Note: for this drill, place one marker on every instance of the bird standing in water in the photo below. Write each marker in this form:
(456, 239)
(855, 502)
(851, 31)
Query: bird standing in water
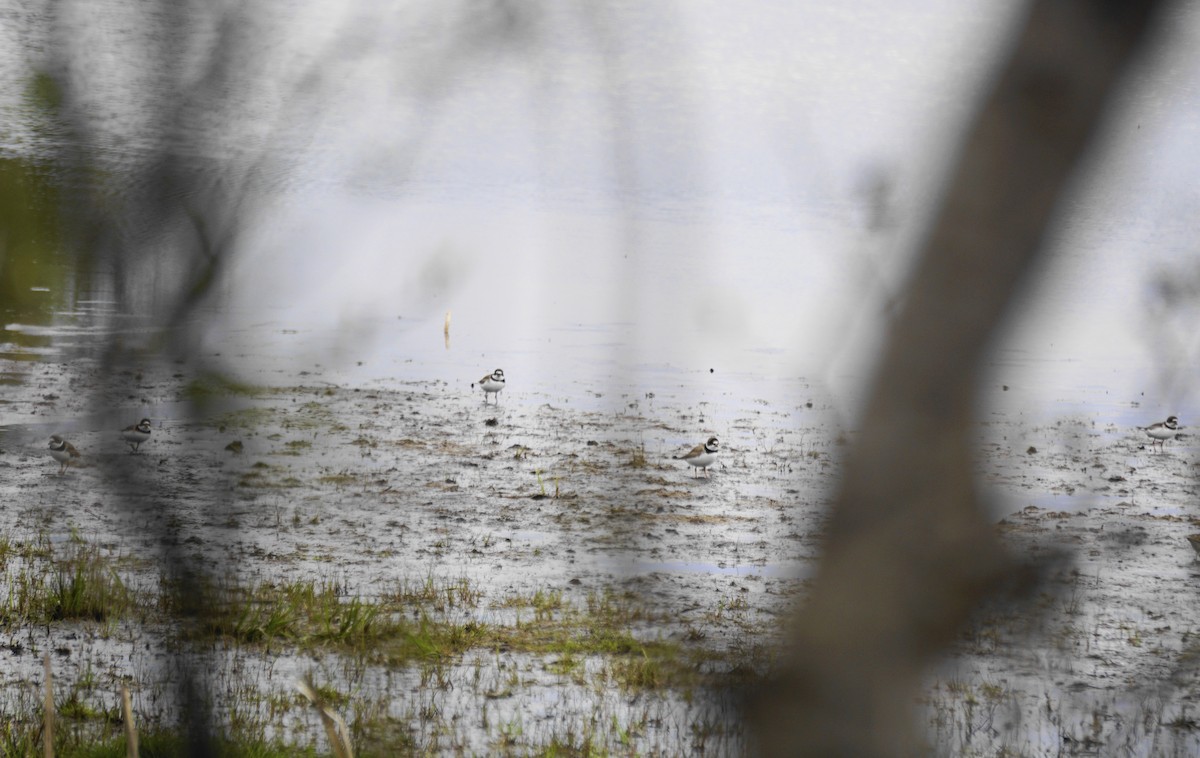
(701, 456)
(137, 434)
(1162, 431)
(63, 452)
(492, 384)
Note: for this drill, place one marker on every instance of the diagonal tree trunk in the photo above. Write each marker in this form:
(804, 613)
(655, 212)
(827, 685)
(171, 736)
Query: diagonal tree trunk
(910, 551)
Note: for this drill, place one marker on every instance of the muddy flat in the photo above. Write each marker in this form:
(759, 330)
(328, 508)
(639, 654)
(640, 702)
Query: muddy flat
(540, 573)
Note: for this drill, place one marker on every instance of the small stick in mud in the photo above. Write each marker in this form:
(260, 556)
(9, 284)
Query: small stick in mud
(131, 738)
(335, 726)
(48, 711)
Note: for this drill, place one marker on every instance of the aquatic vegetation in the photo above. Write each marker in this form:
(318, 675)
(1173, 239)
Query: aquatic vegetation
(210, 386)
(81, 583)
(637, 459)
(436, 589)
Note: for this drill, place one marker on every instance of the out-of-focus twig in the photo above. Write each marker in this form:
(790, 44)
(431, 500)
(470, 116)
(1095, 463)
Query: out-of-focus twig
(909, 552)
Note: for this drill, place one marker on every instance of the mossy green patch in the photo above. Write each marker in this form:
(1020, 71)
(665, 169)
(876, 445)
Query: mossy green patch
(309, 416)
(268, 477)
(24, 737)
(210, 386)
(340, 479)
(295, 447)
(250, 419)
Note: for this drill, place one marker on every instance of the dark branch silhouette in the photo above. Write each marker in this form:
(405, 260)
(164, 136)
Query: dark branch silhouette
(910, 552)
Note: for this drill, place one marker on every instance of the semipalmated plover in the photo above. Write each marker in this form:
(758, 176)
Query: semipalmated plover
(1162, 431)
(701, 456)
(137, 434)
(62, 451)
(492, 383)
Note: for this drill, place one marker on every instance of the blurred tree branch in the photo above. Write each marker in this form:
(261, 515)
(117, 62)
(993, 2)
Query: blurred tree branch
(910, 551)
(168, 220)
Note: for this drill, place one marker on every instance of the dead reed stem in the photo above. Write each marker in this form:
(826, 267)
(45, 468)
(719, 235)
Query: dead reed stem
(335, 727)
(48, 711)
(131, 738)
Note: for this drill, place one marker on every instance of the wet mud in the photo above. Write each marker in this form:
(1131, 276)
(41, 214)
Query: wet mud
(544, 511)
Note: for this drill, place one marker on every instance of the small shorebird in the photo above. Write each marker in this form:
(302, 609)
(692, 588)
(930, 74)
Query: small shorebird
(492, 383)
(137, 434)
(701, 456)
(1162, 431)
(62, 451)
(1194, 541)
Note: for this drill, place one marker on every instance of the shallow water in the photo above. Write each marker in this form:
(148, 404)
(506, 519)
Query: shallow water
(549, 497)
(631, 323)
